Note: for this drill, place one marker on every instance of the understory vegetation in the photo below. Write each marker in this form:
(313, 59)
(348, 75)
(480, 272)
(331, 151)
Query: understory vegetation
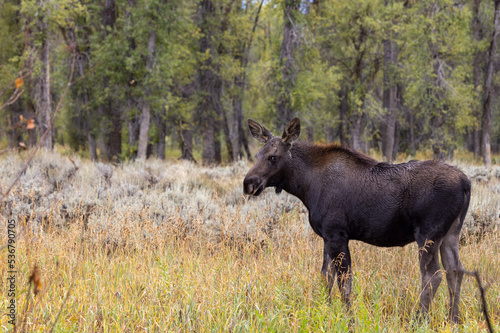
(155, 246)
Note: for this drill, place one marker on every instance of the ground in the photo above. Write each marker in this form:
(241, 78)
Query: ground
(172, 246)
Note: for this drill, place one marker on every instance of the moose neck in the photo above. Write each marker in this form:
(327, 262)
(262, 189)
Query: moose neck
(310, 165)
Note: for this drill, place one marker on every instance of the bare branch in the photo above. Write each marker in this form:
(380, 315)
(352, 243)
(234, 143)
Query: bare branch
(483, 297)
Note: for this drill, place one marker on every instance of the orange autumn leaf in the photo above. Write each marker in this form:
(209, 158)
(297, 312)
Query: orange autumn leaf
(21, 118)
(18, 82)
(31, 124)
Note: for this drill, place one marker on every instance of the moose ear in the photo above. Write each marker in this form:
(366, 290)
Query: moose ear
(292, 131)
(259, 132)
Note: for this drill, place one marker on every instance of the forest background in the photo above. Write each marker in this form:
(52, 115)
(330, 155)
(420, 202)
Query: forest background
(129, 79)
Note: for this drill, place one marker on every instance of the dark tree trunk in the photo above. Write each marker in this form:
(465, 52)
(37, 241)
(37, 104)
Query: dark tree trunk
(146, 107)
(238, 136)
(413, 146)
(92, 146)
(187, 152)
(330, 134)
(476, 147)
(389, 100)
(209, 156)
(186, 136)
(488, 89)
(236, 119)
(227, 136)
(210, 86)
(344, 109)
(287, 57)
(162, 133)
(133, 133)
(13, 131)
(111, 130)
(44, 103)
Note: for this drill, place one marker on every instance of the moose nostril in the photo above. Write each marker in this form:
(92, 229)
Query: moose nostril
(249, 185)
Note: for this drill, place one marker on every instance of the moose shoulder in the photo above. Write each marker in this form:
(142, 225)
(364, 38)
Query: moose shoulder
(352, 196)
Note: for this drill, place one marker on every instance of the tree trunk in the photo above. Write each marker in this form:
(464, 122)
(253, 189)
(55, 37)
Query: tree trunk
(287, 54)
(133, 132)
(236, 119)
(413, 146)
(344, 109)
(389, 100)
(356, 134)
(209, 145)
(476, 148)
(44, 104)
(146, 107)
(186, 136)
(162, 133)
(92, 146)
(112, 127)
(330, 136)
(112, 133)
(488, 89)
(238, 136)
(227, 136)
(210, 86)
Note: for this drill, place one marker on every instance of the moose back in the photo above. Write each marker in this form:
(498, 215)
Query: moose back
(352, 196)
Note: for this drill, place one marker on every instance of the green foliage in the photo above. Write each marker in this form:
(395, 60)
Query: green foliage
(340, 45)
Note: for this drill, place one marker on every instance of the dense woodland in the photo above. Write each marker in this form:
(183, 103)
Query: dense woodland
(129, 79)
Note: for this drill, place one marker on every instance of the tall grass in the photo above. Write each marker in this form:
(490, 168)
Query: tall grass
(174, 247)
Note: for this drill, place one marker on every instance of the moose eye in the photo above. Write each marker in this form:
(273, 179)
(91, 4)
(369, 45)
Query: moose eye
(272, 159)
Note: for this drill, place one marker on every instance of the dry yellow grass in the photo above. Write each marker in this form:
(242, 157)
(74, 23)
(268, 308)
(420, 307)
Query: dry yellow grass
(171, 247)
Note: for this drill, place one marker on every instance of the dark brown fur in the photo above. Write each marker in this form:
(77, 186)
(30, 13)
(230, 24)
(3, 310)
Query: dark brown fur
(351, 196)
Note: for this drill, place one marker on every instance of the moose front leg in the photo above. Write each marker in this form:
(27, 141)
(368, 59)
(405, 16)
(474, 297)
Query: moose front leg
(337, 262)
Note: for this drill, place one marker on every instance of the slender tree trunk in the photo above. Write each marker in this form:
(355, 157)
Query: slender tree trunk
(330, 134)
(186, 136)
(389, 100)
(227, 136)
(476, 132)
(357, 133)
(44, 105)
(488, 88)
(238, 136)
(162, 133)
(411, 118)
(133, 131)
(344, 109)
(92, 146)
(146, 107)
(287, 57)
(235, 122)
(113, 135)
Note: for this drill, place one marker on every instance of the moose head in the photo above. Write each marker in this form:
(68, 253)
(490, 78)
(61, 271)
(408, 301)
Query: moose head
(269, 170)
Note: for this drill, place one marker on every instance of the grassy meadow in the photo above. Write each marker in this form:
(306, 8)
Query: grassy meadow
(174, 247)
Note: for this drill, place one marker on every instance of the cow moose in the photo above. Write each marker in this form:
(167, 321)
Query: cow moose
(352, 196)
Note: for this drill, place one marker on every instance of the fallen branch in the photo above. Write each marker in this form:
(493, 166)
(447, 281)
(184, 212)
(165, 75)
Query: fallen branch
(483, 297)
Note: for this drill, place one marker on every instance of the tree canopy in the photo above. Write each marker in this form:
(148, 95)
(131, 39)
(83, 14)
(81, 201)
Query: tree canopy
(150, 77)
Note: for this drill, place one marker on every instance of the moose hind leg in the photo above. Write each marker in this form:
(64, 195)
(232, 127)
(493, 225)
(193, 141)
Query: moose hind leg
(454, 271)
(431, 275)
